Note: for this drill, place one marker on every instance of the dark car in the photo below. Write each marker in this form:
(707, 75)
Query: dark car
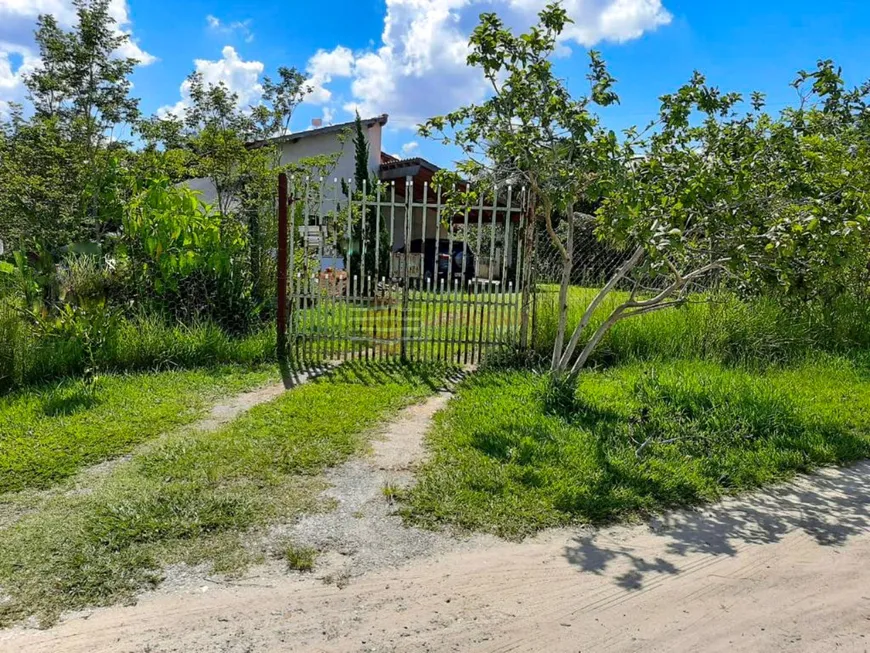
(445, 265)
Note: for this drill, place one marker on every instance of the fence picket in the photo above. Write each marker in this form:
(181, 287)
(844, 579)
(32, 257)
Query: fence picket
(373, 311)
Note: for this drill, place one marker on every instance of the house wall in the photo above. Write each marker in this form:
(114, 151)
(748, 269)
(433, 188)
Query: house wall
(310, 146)
(432, 228)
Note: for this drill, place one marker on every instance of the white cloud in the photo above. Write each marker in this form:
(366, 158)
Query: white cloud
(410, 148)
(240, 76)
(323, 67)
(17, 24)
(610, 20)
(120, 12)
(242, 27)
(328, 115)
(15, 63)
(18, 21)
(419, 70)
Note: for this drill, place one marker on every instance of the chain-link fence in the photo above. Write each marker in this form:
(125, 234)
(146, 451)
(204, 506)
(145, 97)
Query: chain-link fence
(179, 287)
(594, 264)
(594, 261)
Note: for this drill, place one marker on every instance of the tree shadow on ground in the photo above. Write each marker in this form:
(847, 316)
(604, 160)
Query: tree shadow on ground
(831, 507)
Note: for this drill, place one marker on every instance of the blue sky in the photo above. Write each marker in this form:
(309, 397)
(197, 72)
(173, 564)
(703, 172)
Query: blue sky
(406, 57)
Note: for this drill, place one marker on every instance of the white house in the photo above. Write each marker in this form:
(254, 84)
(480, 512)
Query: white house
(428, 229)
(313, 142)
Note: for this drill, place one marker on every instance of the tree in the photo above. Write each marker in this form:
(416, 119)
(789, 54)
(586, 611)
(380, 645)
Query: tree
(778, 203)
(230, 144)
(280, 99)
(364, 243)
(61, 169)
(775, 202)
(531, 131)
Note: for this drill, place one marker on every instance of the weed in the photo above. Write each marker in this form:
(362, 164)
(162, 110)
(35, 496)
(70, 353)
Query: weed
(391, 492)
(717, 327)
(135, 344)
(300, 558)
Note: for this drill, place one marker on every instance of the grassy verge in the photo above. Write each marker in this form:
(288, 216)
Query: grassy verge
(48, 434)
(644, 437)
(136, 344)
(719, 327)
(194, 497)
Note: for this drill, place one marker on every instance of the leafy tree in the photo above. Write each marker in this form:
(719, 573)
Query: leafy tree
(227, 143)
(531, 131)
(62, 169)
(774, 201)
(217, 139)
(280, 99)
(778, 203)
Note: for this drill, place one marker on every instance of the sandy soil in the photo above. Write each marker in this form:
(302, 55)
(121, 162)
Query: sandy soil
(788, 569)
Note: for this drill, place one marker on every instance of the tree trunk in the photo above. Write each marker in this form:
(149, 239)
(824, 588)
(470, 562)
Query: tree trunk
(528, 255)
(620, 274)
(567, 267)
(632, 308)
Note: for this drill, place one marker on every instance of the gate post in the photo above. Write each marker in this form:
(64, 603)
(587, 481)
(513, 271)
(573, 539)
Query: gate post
(282, 267)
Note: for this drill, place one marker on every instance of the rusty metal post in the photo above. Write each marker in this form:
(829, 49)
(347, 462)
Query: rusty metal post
(282, 267)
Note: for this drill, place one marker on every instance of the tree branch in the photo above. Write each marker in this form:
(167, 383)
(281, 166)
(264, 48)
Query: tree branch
(623, 270)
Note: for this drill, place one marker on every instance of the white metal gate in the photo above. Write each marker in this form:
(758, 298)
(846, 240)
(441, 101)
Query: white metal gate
(392, 271)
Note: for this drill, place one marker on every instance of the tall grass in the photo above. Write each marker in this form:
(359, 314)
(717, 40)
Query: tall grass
(140, 343)
(717, 326)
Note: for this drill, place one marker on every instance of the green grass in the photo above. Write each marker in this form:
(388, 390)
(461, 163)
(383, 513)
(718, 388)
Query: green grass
(717, 327)
(195, 497)
(643, 437)
(48, 434)
(137, 344)
(300, 558)
(440, 321)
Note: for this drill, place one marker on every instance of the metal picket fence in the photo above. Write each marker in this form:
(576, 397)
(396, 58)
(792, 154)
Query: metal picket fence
(394, 272)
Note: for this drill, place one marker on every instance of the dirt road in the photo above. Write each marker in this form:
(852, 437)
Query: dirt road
(788, 569)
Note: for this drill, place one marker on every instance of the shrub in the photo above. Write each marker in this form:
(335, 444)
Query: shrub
(189, 262)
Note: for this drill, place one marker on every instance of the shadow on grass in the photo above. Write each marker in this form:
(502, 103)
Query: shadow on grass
(831, 507)
(637, 444)
(435, 376)
(68, 399)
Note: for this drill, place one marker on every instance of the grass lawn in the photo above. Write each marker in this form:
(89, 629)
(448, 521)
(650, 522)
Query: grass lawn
(194, 498)
(49, 433)
(643, 437)
(440, 326)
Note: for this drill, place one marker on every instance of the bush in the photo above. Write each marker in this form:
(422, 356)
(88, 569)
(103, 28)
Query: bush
(188, 261)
